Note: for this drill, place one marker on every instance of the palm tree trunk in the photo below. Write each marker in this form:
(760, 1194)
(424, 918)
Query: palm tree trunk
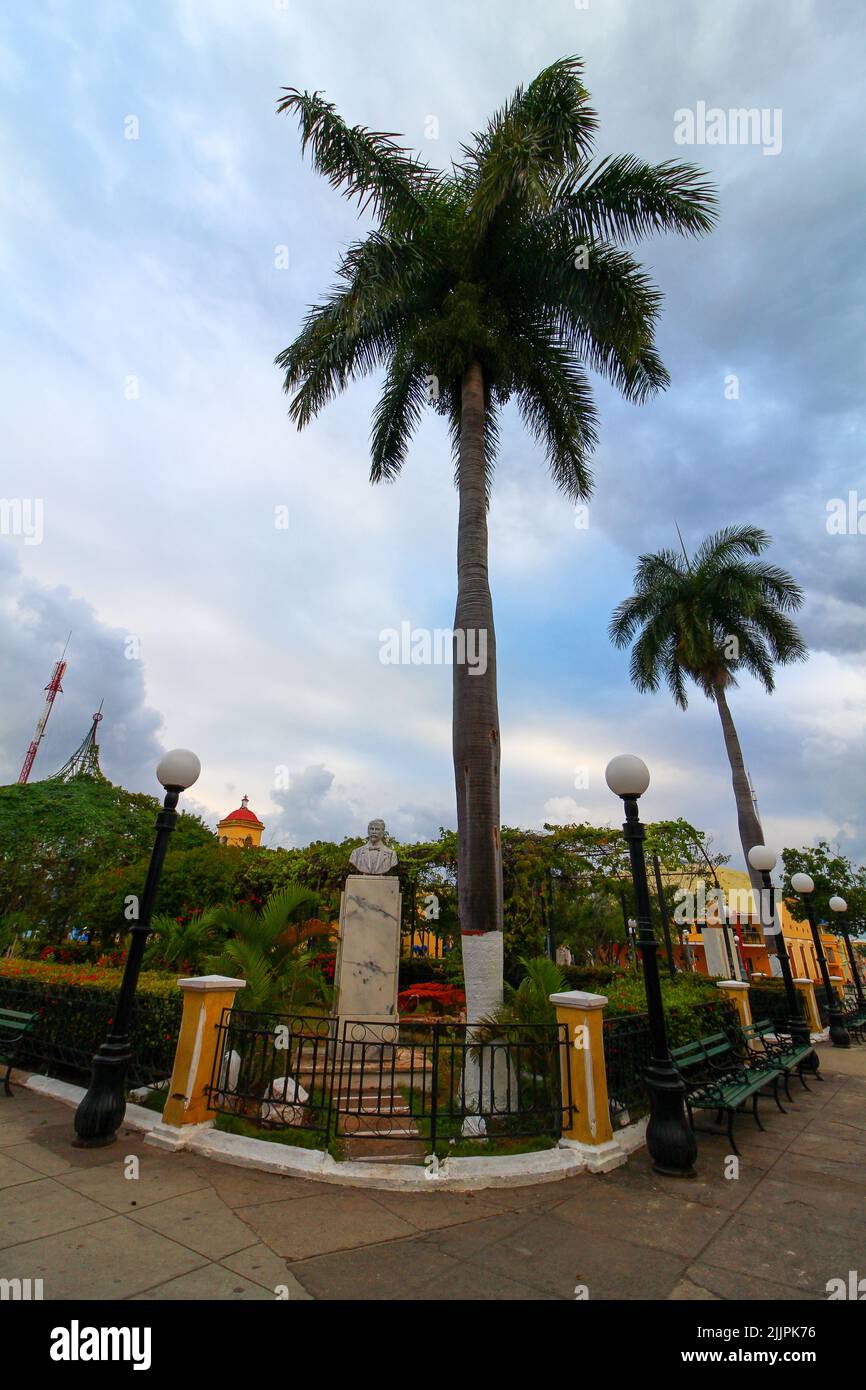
(476, 723)
(747, 820)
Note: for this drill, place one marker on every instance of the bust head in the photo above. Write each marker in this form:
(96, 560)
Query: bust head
(376, 832)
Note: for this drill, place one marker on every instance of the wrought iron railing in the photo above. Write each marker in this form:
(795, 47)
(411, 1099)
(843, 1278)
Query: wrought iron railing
(73, 1020)
(768, 1001)
(274, 1070)
(627, 1054)
(422, 1083)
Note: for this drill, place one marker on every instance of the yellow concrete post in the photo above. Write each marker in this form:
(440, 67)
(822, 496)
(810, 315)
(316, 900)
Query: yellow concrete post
(590, 1129)
(204, 999)
(810, 1003)
(838, 984)
(738, 993)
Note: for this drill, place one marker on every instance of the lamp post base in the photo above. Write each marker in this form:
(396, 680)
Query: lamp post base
(802, 1036)
(669, 1137)
(100, 1114)
(839, 1035)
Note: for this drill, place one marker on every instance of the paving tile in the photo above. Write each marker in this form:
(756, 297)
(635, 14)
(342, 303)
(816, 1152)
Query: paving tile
(472, 1238)
(199, 1220)
(734, 1286)
(798, 1256)
(110, 1259)
(241, 1187)
(819, 1144)
(318, 1225)
(823, 1201)
(538, 1197)
(15, 1130)
(12, 1171)
(55, 1139)
(685, 1290)
(159, 1178)
(660, 1222)
(709, 1187)
(404, 1269)
(211, 1282)
(47, 1160)
(810, 1168)
(32, 1209)
(262, 1266)
(832, 1127)
(471, 1282)
(555, 1257)
(433, 1210)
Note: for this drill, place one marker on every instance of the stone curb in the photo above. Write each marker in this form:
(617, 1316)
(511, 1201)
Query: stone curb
(453, 1175)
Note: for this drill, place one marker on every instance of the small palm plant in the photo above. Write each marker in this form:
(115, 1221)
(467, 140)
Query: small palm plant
(264, 948)
(706, 619)
(175, 944)
(530, 1002)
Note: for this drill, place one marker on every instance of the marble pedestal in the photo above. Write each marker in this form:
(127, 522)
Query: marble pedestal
(368, 957)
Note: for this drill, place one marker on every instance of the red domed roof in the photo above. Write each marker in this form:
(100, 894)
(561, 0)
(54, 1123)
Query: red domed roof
(242, 813)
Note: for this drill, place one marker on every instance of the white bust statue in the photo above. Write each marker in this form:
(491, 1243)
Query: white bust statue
(375, 857)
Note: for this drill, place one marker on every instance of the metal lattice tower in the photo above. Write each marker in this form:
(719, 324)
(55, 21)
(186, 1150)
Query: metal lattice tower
(52, 690)
(85, 760)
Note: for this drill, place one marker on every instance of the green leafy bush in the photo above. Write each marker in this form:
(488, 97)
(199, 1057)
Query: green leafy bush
(76, 1004)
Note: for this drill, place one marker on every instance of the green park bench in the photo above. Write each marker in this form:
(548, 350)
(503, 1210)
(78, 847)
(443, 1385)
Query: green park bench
(14, 1028)
(719, 1077)
(764, 1040)
(855, 1021)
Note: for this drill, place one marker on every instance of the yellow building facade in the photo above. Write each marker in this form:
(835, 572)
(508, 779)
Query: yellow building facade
(747, 936)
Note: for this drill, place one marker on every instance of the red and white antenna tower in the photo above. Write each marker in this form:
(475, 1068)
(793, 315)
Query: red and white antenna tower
(51, 691)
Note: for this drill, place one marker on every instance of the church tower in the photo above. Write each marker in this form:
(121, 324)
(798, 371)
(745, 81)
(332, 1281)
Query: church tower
(241, 828)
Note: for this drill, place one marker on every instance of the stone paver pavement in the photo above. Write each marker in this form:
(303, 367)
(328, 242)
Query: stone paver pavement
(189, 1228)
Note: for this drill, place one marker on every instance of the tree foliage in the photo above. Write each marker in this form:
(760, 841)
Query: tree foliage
(709, 617)
(833, 874)
(56, 838)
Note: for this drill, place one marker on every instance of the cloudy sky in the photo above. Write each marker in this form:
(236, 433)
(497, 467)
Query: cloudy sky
(160, 239)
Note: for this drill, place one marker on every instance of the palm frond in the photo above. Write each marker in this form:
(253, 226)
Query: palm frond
(529, 143)
(366, 164)
(556, 404)
(396, 416)
(625, 198)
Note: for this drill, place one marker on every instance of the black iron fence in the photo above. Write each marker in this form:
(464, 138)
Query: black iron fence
(770, 1001)
(274, 1070)
(627, 1054)
(823, 1004)
(413, 1084)
(73, 1019)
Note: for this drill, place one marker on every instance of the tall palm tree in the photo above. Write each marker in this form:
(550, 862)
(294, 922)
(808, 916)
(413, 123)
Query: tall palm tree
(707, 618)
(500, 278)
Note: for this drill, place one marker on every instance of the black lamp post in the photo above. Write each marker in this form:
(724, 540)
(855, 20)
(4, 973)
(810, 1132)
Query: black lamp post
(803, 886)
(764, 860)
(669, 1137)
(839, 905)
(100, 1114)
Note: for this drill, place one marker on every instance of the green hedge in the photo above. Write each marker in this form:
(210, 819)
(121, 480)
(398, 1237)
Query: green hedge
(768, 999)
(627, 1047)
(74, 1018)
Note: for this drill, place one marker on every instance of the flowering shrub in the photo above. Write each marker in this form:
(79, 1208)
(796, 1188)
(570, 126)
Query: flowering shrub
(75, 1004)
(440, 998)
(326, 962)
(692, 1004)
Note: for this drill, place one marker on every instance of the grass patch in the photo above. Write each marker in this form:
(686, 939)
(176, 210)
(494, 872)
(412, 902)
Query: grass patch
(491, 1148)
(154, 1100)
(295, 1138)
